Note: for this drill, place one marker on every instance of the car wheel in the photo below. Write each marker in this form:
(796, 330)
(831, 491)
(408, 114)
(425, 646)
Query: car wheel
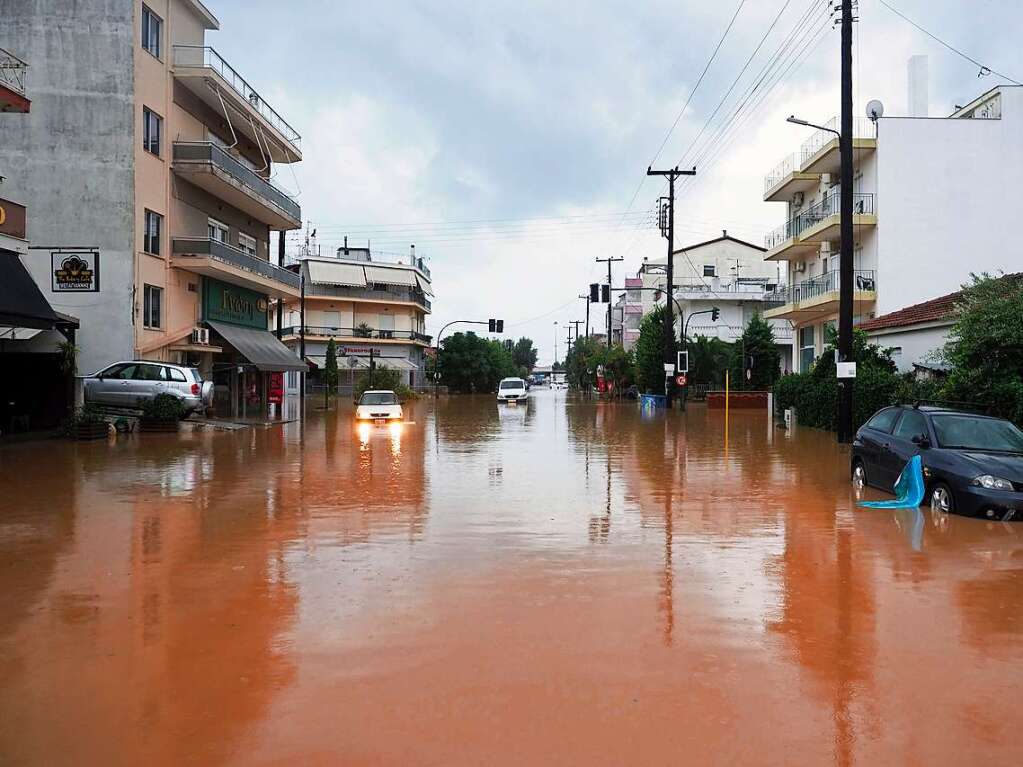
(942, 499)
(859, 474)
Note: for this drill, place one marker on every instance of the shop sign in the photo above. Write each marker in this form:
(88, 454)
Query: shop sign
(12, 219)
(275, 388)
(229, 303)
(75, 272)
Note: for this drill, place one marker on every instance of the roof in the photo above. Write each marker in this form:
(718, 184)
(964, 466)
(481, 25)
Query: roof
(722, 238)
(935, 310)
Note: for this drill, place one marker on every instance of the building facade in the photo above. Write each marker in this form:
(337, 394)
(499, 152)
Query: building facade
(152, 165)
(374, 310)
(930, 202)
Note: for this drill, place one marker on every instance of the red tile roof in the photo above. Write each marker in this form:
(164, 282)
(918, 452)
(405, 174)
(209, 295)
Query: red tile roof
(935, 310)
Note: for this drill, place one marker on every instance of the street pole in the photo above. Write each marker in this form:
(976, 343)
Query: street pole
(669, 320)
(280, 299)
(587, 300)
(301, 334)
(576, 323)
(845, 285)
(609, 261)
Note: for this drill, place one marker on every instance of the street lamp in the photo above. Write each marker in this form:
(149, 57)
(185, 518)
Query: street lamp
(555, 349)
(797, 121)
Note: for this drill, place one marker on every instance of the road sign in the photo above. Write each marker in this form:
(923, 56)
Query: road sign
(681, 379)
(669, 369)
(846, 369)
(749, 374)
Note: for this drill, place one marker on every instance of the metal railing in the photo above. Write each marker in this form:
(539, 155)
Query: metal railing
(207, 152)
(391, 294)
(221, 251)
(779, 172)
(830, 205)
(12, 72)
(815, 287)
(206, 56)
(863, 127)
(361, 333)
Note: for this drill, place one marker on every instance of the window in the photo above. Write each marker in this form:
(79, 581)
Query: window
(247, 243)
(120, 371)
(913, 424)
(218, 231)
(884, 420)
(153, 225)
(151, 126)
(149, 373)
(829, 332)
(806, 348)
(173, 374)
(152, 26)
(332, 320)
(708, 270)
(152, 306)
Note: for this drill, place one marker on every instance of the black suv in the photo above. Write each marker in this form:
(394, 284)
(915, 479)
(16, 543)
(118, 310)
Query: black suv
(973, 464)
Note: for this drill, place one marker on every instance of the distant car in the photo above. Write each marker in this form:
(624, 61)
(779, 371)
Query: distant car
(972, 464)
(127, 384)
(378, 405)
(512, 390)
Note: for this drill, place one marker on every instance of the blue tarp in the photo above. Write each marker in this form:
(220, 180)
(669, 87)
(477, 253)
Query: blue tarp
(909, 488)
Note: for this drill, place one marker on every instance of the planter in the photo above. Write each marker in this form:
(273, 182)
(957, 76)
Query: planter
(157, 425)
(90, 430)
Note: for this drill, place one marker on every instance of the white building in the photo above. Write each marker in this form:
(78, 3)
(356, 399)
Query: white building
(933, 199)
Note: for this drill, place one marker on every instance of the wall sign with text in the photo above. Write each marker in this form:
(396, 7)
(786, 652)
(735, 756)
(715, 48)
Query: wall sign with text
(75, 272)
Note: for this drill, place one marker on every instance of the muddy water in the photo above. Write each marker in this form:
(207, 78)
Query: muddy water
(561, 583)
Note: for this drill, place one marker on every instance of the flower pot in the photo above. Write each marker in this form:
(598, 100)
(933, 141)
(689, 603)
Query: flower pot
(156, 425)
(90, 430)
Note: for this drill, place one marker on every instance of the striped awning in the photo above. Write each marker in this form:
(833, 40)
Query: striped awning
(344, 362)
(424, 285)
(390, 276)
(327, 273)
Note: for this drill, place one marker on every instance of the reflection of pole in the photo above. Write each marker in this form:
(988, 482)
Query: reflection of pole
(301, 338)
(726, 409)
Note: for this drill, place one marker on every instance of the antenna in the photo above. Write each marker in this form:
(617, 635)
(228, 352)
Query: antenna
(875, 109)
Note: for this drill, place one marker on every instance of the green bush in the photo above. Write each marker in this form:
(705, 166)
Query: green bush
(385, 379)
(162, 407)
(82, 416)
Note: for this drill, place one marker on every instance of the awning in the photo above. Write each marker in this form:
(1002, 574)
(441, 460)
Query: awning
(390, 276)
(326, 273)
(22, 304)
(260, 347)
(344, 362)
(424, 285)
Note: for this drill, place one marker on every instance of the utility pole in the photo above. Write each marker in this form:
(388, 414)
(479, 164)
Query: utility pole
(845, 284)
(280, 299)
(669, 320)
(609, 261)
(576, 323)
(587, 299)
(301, 333)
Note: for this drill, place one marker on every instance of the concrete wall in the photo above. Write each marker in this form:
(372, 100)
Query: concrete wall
(71, 160)
(914, 345)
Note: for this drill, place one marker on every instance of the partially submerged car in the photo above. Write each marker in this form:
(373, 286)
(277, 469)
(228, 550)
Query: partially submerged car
(378, 405)
(512, 390)
(972, 463)
(126, 385)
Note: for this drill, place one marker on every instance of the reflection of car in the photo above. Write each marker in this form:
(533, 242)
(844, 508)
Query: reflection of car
(378, 405)
(124, 384)
(511, 390)
(972, 464)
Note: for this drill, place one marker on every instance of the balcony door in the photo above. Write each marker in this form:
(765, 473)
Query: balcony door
(218, 231)
(385, 324)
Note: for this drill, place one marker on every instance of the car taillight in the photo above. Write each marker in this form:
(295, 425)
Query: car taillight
(196, 389)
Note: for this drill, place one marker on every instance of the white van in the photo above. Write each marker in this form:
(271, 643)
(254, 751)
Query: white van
(511, 390)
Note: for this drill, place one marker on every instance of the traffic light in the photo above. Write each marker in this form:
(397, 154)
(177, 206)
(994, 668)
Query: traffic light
(594, 293)
(605, 294)
(493, 325)
(500, 325)
(714, 314)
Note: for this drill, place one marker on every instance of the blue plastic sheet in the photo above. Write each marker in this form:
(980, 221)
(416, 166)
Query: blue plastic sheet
(909, 488)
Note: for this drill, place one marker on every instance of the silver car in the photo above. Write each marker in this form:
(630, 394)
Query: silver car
(124, 384)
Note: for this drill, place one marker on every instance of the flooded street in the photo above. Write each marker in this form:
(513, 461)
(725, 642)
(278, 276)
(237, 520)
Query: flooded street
(565, 582)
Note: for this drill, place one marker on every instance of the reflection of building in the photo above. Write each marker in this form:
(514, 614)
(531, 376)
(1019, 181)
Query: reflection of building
(934, 228)
(368, 307)
(156, 167)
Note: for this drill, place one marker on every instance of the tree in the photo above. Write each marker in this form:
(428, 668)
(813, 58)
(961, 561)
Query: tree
(330, 373)
(468, 363)
(649, 353)
(524, 355)
(581, 363)
(756, 352)
(709, 358)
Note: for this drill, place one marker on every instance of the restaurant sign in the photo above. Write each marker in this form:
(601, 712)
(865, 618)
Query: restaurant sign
(229, 303)
(75, 271)
(12, 219)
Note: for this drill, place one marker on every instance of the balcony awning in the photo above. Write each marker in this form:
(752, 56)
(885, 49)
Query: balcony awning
(326, 273)
(260, 347)
(386, 276)
(22, 304)
(424, 285)
(344, 362)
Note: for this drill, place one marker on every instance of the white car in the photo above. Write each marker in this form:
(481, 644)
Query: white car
(512, 390)
(378, 405)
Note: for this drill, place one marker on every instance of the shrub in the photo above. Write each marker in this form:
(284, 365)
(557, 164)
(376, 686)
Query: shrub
(382, 378)
(82, 416)
(162, 407)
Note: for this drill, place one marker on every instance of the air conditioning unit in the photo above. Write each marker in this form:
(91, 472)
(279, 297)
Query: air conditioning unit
(797, 200)
(201, 336)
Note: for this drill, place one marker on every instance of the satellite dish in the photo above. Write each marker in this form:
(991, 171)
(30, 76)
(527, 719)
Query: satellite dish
(875, 109)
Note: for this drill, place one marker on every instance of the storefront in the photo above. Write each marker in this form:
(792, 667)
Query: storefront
(248, 374)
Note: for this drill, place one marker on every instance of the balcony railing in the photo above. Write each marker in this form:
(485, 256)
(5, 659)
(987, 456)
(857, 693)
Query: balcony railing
(205, 56)
(862, 128)
(395, 293)
(12, 72)
(367, 333)
(815, 287)
(228, 254)
(783, 169)
(831, 205)
(204, 151)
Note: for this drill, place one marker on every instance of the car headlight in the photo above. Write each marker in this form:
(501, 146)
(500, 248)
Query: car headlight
(989, 482)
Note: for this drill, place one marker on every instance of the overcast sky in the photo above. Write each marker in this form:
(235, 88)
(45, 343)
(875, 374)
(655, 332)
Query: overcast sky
(509, 141)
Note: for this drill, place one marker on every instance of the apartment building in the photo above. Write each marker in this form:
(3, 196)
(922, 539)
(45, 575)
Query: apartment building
(375, 310)
(150, 158)
(931, 202)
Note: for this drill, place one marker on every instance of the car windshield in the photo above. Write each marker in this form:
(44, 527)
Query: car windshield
(972, 433)
(378, 398)
(512, 385)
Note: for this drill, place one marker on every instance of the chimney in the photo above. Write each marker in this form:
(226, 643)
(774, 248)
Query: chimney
(412, 253)
(724, 232)
(916, 77)
(346, 244)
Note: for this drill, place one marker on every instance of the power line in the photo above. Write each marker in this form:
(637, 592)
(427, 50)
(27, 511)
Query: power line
(984, 69)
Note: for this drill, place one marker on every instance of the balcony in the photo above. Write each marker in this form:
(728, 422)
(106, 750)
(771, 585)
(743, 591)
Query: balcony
(213, 258)
(818, 297)
(210, 167)
(786, 179)
(821, 222)
(202, 70)
(392, 295)
(820, 154)
(358, 334)
(13, 97)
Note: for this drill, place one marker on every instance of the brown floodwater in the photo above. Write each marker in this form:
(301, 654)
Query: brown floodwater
(566, 582)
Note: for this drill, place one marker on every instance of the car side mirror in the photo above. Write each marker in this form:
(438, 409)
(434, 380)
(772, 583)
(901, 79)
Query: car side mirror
(921, 441)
